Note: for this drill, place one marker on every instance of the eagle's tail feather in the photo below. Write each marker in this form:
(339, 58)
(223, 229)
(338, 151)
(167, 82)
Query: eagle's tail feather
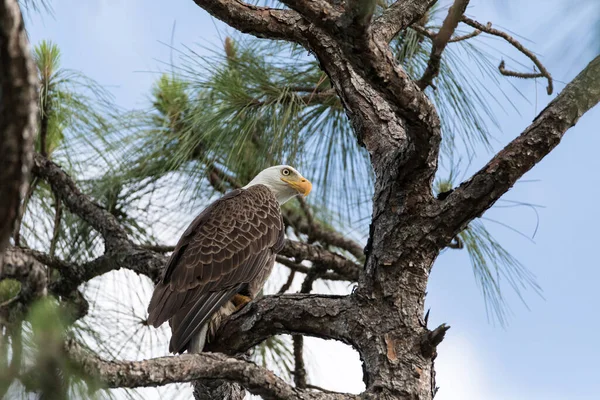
(196, 317)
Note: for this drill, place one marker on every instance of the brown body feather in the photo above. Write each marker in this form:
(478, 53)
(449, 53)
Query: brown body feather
(229, 248)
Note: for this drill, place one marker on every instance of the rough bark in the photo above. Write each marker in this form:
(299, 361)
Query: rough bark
(188, 367)
(323, 316)
(28, 271)
(18, 81)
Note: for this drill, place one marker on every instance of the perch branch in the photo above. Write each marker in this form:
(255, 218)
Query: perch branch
(189, 367)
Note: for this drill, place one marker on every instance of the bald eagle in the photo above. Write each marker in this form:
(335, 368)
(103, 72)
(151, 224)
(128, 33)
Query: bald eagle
(224, 257)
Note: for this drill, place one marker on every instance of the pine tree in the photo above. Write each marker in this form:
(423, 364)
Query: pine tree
(383, 98)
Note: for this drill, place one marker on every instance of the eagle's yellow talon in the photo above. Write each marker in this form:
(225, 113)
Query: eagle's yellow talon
(239, 301)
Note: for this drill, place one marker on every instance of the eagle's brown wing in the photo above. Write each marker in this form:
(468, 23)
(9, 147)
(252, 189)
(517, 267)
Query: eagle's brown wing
(224, 249)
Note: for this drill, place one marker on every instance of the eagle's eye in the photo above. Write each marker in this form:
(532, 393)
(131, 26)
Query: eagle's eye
(285, 172)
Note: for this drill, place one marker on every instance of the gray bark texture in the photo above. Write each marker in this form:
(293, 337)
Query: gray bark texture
(383, 319)
(18, 81)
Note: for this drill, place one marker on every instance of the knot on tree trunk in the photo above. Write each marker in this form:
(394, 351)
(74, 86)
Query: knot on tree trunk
(432, 339)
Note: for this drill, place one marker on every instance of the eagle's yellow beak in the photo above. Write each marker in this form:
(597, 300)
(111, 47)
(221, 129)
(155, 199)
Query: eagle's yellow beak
(302, 185)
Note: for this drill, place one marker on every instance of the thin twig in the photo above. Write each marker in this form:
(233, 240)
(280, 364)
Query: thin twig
(44, 118)
(288, 283)
(460, 38)
(488, 29)
(323, 234)
(440, 41)
(56, 231)
(525, 75)
(430, 34)
(423, 31)
(317, 97)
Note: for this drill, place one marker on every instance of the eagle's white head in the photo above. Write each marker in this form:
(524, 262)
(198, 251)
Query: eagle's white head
(284, 181)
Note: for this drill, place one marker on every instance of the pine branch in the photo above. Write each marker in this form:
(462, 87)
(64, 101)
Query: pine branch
(341, 266)
(319, 12)
(515, 74)
(398, 17)
(488, 29)
(144, 260)
(332, 261)
(316, 97)
(322, 234)
(80, 204)
(484, 188)
(258, 21)
(190, 367)
(323, 316)
(296, 267)
(440, 41)
(72, 275)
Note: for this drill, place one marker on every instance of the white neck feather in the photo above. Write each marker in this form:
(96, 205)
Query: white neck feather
(282, 192)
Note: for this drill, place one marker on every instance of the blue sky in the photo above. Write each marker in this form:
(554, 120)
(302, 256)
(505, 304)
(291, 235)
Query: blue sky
(547, 352)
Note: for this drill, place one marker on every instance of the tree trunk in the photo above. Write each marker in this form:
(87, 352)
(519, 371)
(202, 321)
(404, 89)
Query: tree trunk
(18, 83)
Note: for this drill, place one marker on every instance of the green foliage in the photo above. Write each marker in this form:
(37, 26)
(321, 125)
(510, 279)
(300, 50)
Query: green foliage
(492, 264)
(33, 351)
(9, 288)
(37, 6)
(275, 351)
(76, 116)
(240, 112)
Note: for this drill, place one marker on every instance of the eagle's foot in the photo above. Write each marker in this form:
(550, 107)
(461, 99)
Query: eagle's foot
(239, 301)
